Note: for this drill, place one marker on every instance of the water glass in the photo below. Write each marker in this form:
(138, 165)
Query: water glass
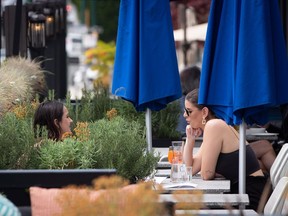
(189, 173)
(178, 172)
(175, 172)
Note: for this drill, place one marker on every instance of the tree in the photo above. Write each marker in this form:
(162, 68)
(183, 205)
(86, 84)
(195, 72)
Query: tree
(104, 13)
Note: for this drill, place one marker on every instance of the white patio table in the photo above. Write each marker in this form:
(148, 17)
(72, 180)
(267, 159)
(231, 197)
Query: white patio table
(244, 212)
(215, 186)
(202, 201)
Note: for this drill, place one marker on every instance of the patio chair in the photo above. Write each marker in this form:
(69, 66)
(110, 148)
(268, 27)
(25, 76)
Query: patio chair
(276, 202)
(164, 159)
(280, 166)
(285, 207)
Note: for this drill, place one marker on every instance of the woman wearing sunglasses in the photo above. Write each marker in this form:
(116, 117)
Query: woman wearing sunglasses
(219, 152)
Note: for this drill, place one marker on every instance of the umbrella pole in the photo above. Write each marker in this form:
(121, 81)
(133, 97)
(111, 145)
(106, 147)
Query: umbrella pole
(242, 158)
(148, 129)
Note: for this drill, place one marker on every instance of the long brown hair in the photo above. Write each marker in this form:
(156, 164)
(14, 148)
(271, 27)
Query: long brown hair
(45, 115)
(192, 97)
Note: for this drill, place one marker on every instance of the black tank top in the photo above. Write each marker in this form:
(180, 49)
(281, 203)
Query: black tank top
(228, 164)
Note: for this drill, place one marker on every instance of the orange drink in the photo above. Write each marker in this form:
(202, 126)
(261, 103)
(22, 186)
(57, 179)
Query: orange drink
(177, 157)
(170, 154)
(177, 152)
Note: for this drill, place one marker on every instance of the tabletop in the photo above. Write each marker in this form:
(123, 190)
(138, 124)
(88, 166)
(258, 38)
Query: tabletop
(262, 136)
(197, 201)
(203, 212)
(198, 184)
(163, 165)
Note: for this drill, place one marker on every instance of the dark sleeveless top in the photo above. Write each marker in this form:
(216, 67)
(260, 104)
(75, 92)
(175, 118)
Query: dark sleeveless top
(228, 164)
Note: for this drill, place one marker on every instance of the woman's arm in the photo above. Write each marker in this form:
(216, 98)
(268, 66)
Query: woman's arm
(211, 148)
(188, 157)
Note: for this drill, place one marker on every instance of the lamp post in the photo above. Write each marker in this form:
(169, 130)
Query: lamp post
(36, 30)
(41, 36)
(49, 21)
(54, 53)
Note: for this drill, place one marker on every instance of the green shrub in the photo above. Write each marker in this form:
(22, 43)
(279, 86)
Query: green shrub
(123, 146)
(115, 143)
(95, 104)
(67, 154)
(16, 141)
(165, 121)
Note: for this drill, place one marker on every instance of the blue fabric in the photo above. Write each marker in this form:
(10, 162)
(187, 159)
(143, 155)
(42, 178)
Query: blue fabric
(245, 67)
(146, 71)
(7, 208)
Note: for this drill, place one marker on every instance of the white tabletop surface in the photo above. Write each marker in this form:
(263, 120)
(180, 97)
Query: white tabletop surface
(206, 186)
(206, 200)
(245, 212)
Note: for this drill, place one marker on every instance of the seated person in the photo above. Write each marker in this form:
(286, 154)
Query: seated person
(52, 115)
(265, 154)
(265, 151)
(219, 152)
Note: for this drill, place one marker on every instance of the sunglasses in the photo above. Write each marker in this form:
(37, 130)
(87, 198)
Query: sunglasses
(188, 112)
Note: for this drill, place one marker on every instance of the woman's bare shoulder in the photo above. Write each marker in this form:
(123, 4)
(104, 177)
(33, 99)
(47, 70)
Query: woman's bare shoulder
(215, 128)
(216, 123)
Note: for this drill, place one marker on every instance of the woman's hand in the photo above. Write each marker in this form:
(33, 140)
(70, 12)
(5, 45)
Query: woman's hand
(192, 133)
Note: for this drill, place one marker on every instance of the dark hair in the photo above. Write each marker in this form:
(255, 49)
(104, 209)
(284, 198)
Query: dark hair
(192, 97)
(45, 115)
(190, 78)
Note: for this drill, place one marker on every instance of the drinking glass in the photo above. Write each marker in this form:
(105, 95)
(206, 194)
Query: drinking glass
(175, 172)
(178, 172)
(177, 152)
(170, 154)
(188, 173)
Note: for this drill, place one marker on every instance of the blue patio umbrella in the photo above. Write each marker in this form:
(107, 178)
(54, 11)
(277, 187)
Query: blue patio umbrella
(146, 70)
(245, 68)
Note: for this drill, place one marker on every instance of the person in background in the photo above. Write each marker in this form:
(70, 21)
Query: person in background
(219, 151)
(265, 151)
(190, 78)
(265, 154)
(54, 117)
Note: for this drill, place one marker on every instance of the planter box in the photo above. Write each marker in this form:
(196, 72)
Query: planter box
(163, 142)
(14, 184)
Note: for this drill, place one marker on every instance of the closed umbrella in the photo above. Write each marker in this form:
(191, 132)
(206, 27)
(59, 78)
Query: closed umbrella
(146, 71)
(245, 69)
